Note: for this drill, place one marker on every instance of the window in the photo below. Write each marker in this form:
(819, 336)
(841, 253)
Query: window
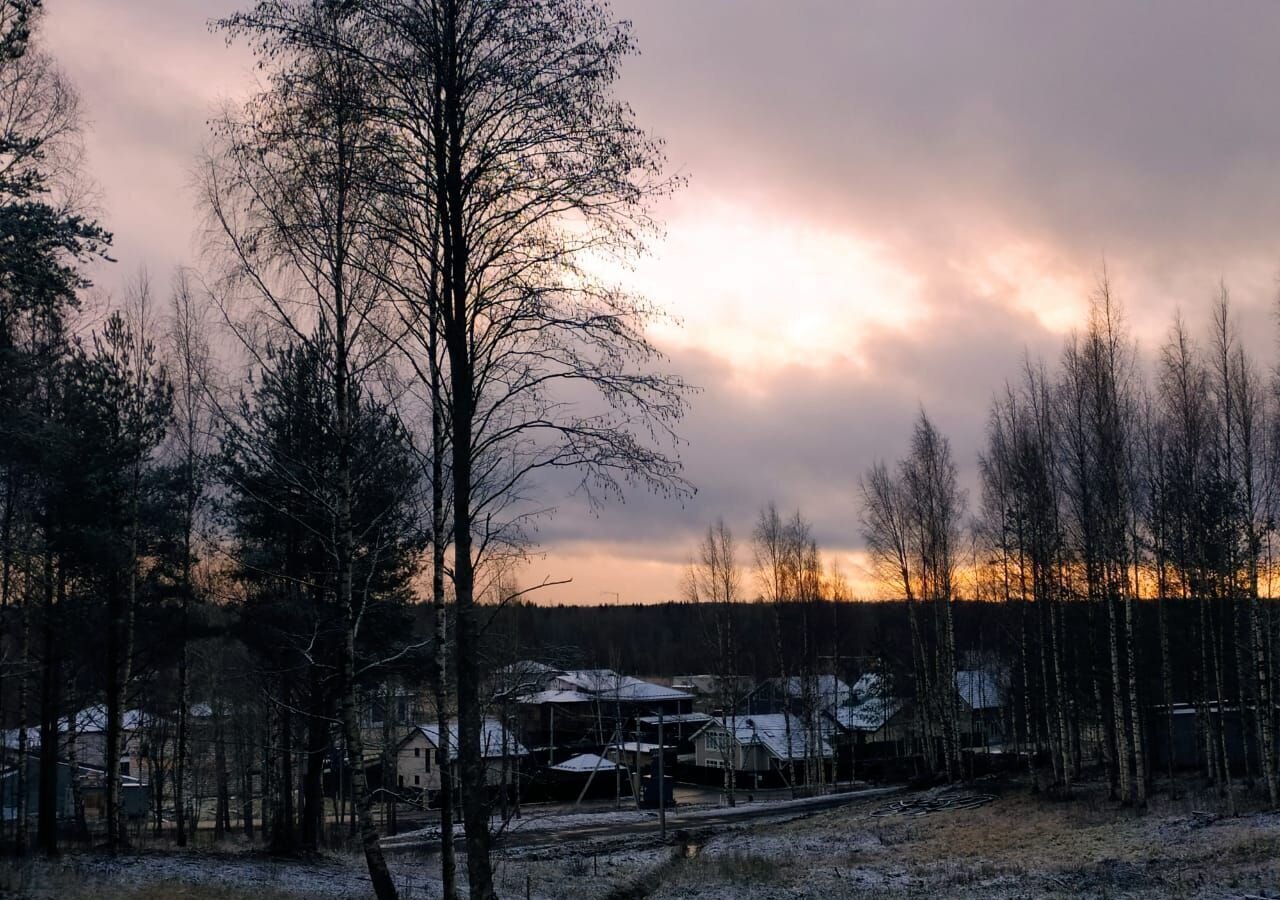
(427, 764)
(417, 751)
(417, 779)
(400, 780)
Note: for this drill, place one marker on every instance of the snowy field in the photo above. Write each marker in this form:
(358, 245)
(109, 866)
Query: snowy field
(1016, 846)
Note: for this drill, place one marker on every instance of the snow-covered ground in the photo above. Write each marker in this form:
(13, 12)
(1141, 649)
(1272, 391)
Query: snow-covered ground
(1018, 846)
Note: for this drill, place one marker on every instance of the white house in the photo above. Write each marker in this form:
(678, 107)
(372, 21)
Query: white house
(758, 744)
(90, 733)
(418, 755)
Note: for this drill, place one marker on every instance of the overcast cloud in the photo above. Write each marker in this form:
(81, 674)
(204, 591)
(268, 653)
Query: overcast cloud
(890, 204)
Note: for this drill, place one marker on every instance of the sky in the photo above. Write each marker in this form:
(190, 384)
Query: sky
(890, 205)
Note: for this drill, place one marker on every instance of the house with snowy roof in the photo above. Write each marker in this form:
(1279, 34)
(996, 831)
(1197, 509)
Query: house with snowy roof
(800, 695)
(582, 709)
(83, 737)
(984, 692)
(761, 746)
(421, 753)
(878, 721)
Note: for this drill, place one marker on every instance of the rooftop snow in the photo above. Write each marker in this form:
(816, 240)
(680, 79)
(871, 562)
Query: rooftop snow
(781, 734)
(980, 688)
(587, 762)
(491, 739)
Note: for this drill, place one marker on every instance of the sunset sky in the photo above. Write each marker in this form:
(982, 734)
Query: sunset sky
(889, 205)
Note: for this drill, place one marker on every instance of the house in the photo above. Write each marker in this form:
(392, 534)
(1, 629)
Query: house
(796, 695)
(875, 726)
(877, 723)
(579, 709)
(87, 740)
(1180, 729)
(637, 755)
(632, 694)
(677, 730)
(713, 692)
(418, 755)
(983, 693)
(586, 775)
(760, 746)
(550, 719)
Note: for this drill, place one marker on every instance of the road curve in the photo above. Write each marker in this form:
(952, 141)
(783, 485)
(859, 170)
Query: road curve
(698, 818)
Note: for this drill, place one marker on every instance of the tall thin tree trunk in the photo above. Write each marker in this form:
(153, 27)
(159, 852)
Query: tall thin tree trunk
(47, 813)
(24, 656)
(1135, 711)
(1119, 730)
(1262, 690)
(439, 541)
(1060, 694)
(1222, 719)
(313, 778)
(1166, 682)
(222, 803)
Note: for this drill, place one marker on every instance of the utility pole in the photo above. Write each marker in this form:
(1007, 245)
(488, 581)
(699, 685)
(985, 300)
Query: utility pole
(662, 783)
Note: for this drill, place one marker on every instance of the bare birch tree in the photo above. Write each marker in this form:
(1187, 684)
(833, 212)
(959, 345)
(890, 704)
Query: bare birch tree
(715, 578)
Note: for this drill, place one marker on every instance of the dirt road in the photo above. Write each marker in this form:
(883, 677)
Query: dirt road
(551, 833)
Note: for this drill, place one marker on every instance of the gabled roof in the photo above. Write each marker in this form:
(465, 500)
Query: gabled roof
(587, 762)
(980, 688)
(90, 720)
(577, 685)
(828, 689)
(770, 731)
(491, 739)
(522, 677)
(868, 684)
(635, 690)
(11, 737)
(93, 720)
(871, 714)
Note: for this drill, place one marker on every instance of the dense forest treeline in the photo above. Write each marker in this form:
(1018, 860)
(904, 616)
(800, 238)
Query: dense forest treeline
(666, 640)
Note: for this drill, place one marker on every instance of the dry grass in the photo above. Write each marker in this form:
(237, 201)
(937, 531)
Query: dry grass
(1019, 846)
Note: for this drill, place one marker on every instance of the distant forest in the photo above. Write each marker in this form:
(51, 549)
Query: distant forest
(663, 640)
